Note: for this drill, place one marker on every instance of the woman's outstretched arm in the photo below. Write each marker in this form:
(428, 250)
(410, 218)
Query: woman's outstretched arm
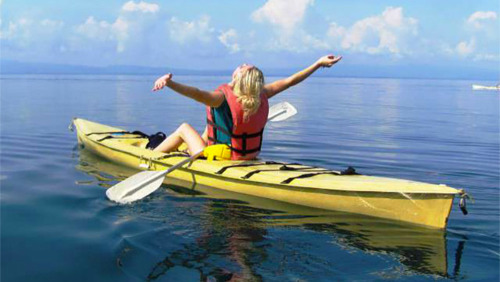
(278, 86)
(209, 98)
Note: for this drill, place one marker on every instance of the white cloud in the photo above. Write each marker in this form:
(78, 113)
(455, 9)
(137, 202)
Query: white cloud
(309, 41)
(285, 17)
(133, 23)
(142, 6)
(285, 14)
(51, 24)
(487, 57)
(20, 29)
(139, 33)
(24, 32)
(95, 30)
(120, 30)
(478, 19)
(335, 31)
(102, 31)
(145, 34)
(229, 39)
(29, 39)
(185, 31)
(483, 32)
(465, 48)
(390, 32)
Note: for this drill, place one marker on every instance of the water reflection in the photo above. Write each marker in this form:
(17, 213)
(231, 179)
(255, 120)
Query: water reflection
(230, 233)
(227, 231)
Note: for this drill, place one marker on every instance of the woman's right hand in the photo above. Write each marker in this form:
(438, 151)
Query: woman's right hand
(162, 82)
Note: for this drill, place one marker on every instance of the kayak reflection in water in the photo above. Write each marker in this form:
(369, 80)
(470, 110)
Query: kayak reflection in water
(236, 112)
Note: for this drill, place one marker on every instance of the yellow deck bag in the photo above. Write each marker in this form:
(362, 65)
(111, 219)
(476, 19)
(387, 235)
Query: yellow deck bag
(217, 152)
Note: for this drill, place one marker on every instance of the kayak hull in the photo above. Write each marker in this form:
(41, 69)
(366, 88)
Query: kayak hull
(422, 208)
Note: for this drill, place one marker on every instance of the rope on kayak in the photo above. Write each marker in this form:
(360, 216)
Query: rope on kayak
(149, 162)
(285, 167)
(223, 169)
(463, 201)
(153, 140)
(107, 132)
(349, 171)
(137, 132)
(179, 154)
(114, 137)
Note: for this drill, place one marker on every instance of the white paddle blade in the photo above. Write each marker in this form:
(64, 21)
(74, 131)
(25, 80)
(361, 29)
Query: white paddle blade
(135, 187)
(142, 184)
(281, 111)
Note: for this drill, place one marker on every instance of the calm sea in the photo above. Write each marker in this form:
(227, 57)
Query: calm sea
(57, 225)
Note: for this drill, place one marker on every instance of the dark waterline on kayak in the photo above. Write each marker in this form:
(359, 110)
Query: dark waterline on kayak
(56, 224)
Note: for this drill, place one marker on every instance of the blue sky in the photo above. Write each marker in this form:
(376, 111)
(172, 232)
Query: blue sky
(269, 33)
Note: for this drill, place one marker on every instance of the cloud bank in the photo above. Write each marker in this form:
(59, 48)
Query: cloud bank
(146, 33)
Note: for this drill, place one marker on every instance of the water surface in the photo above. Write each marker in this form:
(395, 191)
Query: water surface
(57, 225)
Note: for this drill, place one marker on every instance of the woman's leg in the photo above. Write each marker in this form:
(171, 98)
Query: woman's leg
(185, 133)
(204, 136)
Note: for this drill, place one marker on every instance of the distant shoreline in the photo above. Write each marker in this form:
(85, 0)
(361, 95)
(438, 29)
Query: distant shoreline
(9, 67)
(130, 77)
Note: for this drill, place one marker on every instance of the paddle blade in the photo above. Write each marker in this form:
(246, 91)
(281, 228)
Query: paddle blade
(281, 111)
(142, 184)
(136, 187)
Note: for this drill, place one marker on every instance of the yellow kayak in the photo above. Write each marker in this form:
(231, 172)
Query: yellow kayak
(396, 199)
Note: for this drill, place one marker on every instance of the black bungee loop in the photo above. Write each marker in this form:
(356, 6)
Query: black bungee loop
(463, 201)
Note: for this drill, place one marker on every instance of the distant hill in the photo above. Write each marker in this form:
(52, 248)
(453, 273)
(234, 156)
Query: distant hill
(15, 67)
(405, 71)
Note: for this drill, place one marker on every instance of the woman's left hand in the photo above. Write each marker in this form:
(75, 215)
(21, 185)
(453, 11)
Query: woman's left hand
(328, 60)
(162, 82)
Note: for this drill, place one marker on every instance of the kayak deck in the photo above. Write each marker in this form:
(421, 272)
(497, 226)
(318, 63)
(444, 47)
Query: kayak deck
(397, 199)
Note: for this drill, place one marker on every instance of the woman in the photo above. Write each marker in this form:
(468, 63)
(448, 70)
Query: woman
(236, 112)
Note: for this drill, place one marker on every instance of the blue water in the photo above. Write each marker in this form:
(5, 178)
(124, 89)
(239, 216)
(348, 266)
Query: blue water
(57, 225)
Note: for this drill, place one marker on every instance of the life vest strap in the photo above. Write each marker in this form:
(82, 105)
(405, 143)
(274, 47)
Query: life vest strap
(243, 137)
(240, 151)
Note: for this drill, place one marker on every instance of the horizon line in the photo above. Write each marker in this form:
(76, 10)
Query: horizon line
(12, 67)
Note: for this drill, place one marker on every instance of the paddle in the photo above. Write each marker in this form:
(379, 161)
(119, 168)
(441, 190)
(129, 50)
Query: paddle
(144, 183)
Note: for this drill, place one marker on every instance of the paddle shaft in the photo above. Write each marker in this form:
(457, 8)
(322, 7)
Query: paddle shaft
(162, 173)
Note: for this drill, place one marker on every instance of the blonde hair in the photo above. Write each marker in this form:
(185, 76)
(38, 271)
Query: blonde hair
(248, 86)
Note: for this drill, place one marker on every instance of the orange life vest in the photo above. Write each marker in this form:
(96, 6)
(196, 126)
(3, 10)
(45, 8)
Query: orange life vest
(245, 136)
